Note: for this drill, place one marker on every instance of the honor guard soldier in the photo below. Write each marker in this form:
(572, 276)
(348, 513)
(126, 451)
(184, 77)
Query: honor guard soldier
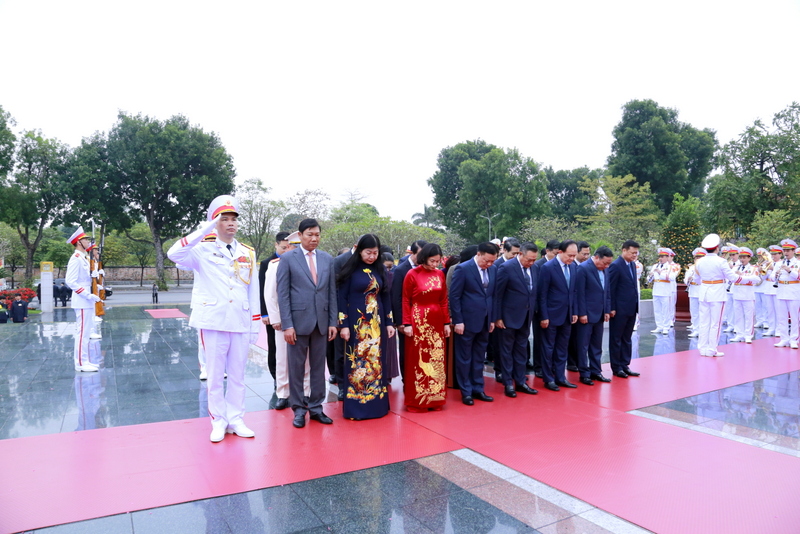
(98, 274)
(662, 275)
(713, 272)
(762, 257)
(786, 273)
(79, 280)
(744, 298)
(732, 255)
(673, 285)
(225, 308)
(770, 290)
(693, 283)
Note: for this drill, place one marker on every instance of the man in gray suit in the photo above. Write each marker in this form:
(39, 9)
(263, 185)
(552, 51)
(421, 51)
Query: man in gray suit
(307, 300)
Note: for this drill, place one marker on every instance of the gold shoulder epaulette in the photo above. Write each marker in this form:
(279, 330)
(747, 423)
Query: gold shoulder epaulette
(210, 238)
(276, 260)
(247, 246)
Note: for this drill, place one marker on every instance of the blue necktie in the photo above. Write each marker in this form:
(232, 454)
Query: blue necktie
(566, 273)
(633, 271)
(602, 279)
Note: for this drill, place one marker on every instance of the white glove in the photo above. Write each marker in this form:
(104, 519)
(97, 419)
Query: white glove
(253, 338)
(93, 297)
(99, 287)
(95, 273)
(102, 272)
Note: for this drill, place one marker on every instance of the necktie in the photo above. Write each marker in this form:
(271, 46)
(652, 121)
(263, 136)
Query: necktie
(566, 273)
(602, 279)
(485, 278)
(528, 277)
(633, 270)
(230, 250)
(312, 267)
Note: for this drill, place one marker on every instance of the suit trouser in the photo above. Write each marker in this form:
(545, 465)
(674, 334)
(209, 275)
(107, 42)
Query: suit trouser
(225, 352)
(470, 349)
(282, 371)
(84, 321)
(590, 348)
(271, 350)
(784, 310)
(513, 353)
(694, 311)
(620, 329)
(744, 317)
(311, 348)
(711, 314)
(661, 311)
(538, 335)
(769, 312)
(573, 349)
(555, 340)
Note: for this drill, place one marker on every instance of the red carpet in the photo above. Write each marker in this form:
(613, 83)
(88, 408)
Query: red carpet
(167, 313)
(665, 478)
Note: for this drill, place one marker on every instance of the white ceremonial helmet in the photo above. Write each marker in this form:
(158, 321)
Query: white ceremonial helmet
(222, 204)
(710, 241)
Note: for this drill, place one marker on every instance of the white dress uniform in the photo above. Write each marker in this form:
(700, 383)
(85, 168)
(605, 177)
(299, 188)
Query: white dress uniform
(226, 310)
(639, 271)
(770, 291)
(281, 361)
(744, 300)
(759, 294)
(693, 284)
(787, 298)
(713, 272)
(728, 318)
(79, 281)
(663, 275)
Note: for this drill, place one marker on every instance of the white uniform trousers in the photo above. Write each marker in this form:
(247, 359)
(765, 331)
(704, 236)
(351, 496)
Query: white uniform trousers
(710, 323)
(282, 370)
(728, 317)
(769, 312)
(84, 322)
(663, 315)
(760, 312)
(673, 298)
(201, 352)
(694, 311)
(785, 309)
(225, 351)
(744, 317)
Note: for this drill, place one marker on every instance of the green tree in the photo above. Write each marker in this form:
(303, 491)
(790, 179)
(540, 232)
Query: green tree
(770, 227)
(54, 248)
(12, 250)
(34, 196)
(291, 222)
(310, 204)
(7, 143)
(482, 191)
(396, 234)
(651, 144)
(140, 247)
(682, 231)
(258, 215)
(351, 212)
(567, 199)
(428, 217)
(168, 173)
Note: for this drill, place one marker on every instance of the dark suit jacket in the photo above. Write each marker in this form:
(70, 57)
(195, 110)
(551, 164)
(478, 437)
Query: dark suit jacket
(591, 298)
(624, 297)
(469, 303)
(556, 300)
(400, 273)
(340, 260)
(500, 260)
(304, 305)
(514, 301)
(262, 275)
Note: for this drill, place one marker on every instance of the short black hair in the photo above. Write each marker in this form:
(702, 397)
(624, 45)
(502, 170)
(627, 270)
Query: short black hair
(510, 243)
(305, 224)
(428, 251)
(564, 245)
(281, 236)
(416, 246)
(604, 252)
(582, 245)
(630, 243)
(487, 247)
(387, 256)
(528, 247)
(468, 252)
(552, 245)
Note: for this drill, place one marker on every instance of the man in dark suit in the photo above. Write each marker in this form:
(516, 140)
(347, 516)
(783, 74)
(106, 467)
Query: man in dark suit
(472, 313)
(550, 250)
(307, 302)
(400, 273)
(515, 306)
(593, 305)
(584, 252)
(509, 251)
(281, 244)
(557, 313)
(624, 307)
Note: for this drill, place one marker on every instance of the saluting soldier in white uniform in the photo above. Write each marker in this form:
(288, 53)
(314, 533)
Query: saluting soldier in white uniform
(662, 275)
(274, 311)
(713, 272)
(79, 281)
(693, 283)
(770, 291)
(744, 299)
(225, 308)
(787, 304)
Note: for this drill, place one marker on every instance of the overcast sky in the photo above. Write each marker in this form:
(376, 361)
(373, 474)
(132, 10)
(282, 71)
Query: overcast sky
(362, 96)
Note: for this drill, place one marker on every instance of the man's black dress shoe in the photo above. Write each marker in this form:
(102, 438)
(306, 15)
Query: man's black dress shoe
(332, 379)
(600, 378)
(509, 391)
(621, 374)
(467, 400)
(573, 368)
(499, 377)
(538, 374)
(552, 386)
(482, 397)
(587, 381)
(340, 395)
(631, 373)
(525, 388)
(566, 384)
(282, 404)
(299, 420)
(322, 418)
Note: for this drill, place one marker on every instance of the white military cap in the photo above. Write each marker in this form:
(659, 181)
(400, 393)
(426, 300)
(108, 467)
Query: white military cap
(222, 204)
(77, 236)
(746, 251)
(788, 243)
(294, 238)
(710, 241)
(699, 252)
